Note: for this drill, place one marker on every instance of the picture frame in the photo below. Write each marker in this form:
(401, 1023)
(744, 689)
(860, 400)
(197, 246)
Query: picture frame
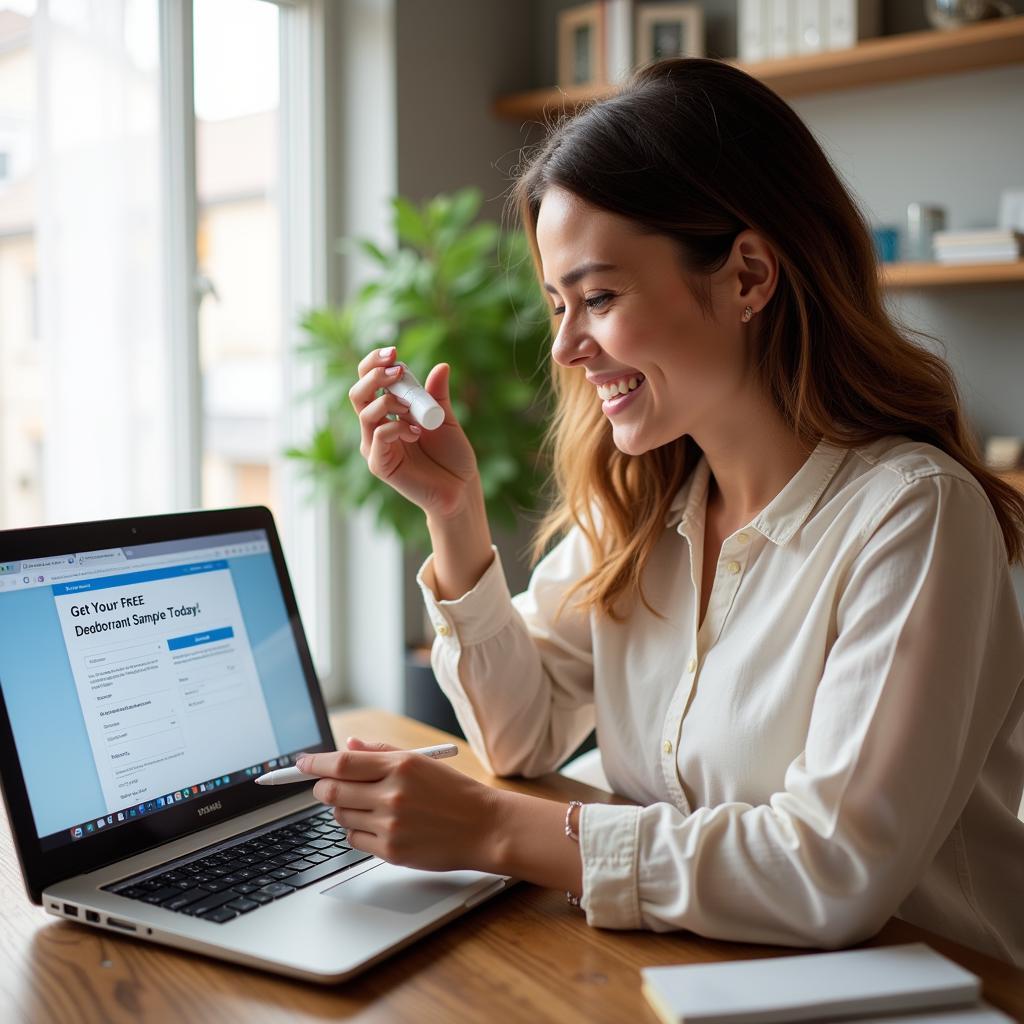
(581, 46)
(669, 30)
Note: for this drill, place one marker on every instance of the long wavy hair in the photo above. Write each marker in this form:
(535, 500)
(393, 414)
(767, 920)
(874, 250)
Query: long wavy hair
(697, 150)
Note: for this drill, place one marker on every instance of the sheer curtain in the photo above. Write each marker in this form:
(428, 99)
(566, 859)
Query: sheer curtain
(101, 274)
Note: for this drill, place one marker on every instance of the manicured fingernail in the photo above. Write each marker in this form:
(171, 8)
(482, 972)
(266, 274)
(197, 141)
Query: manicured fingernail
(415, 429)
(392, 371)
(387, 353)
(302, 763)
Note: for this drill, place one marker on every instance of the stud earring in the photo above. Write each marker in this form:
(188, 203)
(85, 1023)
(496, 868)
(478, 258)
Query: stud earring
(747, 313)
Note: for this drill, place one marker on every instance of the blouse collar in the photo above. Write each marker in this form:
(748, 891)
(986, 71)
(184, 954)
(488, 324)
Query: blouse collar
(783, 515)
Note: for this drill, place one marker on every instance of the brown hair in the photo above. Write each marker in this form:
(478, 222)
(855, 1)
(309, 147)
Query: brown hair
(697, 150)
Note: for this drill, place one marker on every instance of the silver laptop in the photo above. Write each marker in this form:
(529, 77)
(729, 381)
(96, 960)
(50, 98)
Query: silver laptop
(150, 669)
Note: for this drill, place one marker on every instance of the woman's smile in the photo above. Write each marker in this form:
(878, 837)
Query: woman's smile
(614, 392)
(615, 399)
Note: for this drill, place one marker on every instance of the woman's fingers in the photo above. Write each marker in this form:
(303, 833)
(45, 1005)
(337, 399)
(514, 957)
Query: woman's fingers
(353, 819)
(353, 765)
(381, 458)
(375, 415)
(359, 796)
(438, 386)
(378, 357)
(363, 391)
(356, 743)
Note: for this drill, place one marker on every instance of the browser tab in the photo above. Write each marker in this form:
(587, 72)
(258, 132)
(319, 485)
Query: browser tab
(112, 556)
(54, 562)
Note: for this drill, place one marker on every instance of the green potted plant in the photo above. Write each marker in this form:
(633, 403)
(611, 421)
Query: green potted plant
(454, 289)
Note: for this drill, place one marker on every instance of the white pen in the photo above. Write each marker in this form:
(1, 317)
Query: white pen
(282, 776)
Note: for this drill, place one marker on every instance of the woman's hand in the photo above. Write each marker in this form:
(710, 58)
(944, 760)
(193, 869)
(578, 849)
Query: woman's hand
(407, 808)
(434, 469)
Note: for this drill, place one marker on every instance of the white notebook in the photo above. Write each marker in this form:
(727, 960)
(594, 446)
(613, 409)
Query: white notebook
(853, 983)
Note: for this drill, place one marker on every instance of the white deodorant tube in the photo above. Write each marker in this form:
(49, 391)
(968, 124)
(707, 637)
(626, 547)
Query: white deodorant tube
(425, 411)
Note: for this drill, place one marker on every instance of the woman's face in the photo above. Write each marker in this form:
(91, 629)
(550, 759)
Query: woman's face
(625, 317)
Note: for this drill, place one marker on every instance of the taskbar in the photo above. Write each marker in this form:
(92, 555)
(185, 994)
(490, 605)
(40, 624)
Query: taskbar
(126, 815)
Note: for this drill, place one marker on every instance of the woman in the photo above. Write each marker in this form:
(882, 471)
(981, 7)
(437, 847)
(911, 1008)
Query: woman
(780, 587)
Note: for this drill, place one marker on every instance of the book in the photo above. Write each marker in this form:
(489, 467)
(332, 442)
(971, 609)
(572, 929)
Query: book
(842, 983)
(984, 236)
(982, 1013)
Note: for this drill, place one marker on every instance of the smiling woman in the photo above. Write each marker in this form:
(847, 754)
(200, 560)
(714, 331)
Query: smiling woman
(796, 632)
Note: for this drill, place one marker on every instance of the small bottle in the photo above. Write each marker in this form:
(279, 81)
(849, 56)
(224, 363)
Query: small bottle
(425, 411)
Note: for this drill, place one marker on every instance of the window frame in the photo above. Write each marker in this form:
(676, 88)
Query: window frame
(309, 532)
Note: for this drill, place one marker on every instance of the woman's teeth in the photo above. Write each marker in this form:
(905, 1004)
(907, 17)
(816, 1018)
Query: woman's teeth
(619, 387)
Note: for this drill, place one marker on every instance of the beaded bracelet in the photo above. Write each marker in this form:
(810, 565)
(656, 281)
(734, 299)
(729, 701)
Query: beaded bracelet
(573, 900)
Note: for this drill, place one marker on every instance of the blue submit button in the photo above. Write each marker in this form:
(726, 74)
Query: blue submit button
(195, 639)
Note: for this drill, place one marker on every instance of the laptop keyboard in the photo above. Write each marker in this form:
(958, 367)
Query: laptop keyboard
(248, 872)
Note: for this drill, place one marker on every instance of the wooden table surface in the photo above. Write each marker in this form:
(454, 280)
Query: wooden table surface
(525, 955)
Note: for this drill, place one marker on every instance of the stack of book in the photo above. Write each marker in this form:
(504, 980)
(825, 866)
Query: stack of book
(994, 245)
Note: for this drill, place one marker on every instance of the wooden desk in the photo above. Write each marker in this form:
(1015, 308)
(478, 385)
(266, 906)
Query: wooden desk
(525, 955)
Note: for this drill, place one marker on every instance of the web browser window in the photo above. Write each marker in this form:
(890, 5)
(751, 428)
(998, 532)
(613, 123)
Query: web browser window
(139, 677)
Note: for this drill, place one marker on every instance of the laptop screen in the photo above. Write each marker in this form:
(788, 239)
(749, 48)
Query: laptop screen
(140, 678)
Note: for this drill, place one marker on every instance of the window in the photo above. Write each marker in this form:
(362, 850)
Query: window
(136, 377)
(237, 90)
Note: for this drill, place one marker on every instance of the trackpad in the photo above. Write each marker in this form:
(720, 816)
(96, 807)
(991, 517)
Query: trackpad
(405, 890)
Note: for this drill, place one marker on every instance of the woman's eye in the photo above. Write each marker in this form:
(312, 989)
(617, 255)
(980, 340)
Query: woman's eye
(594, 302)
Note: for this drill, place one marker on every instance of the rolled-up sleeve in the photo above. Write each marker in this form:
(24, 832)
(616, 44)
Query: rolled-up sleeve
(914, 689)
(520, 679)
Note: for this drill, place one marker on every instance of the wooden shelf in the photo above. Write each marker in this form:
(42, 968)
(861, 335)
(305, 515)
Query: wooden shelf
(873, 62)
(932, 275)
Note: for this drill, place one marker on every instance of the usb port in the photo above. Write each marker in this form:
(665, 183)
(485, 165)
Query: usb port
(115, 923)
(70, 910)
(92, 917)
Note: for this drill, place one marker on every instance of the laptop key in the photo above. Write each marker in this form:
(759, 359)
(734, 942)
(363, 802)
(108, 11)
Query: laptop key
(158, 896)
(328, 867)
(277, 889)
(210, 902)
(220, 915)
(282, 873)
(243, 906)
(214, 885)
(184, 899)
(245, 888)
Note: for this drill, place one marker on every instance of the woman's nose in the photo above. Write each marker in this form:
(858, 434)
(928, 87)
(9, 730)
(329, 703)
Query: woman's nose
(572, 345)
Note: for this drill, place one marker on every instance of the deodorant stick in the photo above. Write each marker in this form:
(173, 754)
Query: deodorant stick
(425, 411)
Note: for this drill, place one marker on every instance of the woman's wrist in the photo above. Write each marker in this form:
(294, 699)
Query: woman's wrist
(461, 545)
(525, 838)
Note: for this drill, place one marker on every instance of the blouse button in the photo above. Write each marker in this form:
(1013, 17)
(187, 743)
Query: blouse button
(743, 537)
(691, 664)
(733, 567)
(443, 629)
(667, 746)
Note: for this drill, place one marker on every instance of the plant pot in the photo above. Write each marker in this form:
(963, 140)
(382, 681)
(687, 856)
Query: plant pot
(423, 699)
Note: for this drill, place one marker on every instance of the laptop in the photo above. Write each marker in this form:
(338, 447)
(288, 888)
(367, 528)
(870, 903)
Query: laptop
(150, 669)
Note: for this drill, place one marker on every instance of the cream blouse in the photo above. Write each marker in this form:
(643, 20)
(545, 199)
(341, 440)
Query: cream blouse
(841, 741)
